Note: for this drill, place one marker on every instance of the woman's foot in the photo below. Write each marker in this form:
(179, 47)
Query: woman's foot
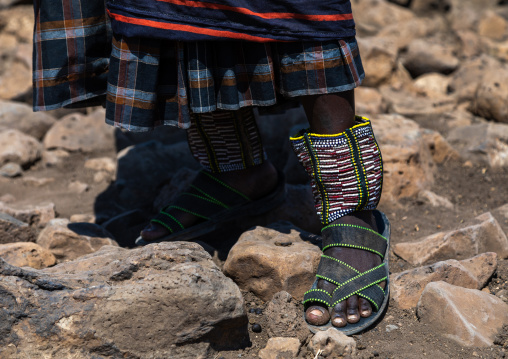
(355, 307)
(254, 182)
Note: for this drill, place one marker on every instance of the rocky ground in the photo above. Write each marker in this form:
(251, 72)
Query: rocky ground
(74, 194)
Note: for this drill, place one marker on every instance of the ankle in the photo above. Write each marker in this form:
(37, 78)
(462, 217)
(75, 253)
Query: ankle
(361, 218)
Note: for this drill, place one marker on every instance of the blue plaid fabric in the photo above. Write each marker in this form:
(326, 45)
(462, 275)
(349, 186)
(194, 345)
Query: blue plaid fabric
(149, 82)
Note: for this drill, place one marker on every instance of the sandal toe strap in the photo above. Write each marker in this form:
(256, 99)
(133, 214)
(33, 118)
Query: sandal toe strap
(361, 284)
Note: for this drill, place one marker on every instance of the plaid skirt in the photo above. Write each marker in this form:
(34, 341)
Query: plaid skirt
(145, 83)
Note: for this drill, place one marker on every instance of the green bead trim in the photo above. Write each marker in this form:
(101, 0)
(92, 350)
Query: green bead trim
(317, 290)
(354, 226)
(210, 197)
(369, 299)
(174, 219)
(356, 291)
(316, 300)
(204, 199)
(327, 279)
(358, 276)
(341, 262)
(163, 224)
(225, 185)
(187, 211)
(353, 246)
(347, 265)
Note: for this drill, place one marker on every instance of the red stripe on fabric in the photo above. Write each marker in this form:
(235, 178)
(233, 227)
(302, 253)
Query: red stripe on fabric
(188, 28)
(263, 15)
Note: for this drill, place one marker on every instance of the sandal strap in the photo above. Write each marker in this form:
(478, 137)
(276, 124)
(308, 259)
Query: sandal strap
(317, 295)
(361, 282)
(334, 270)
(353, 236)
(206, 197)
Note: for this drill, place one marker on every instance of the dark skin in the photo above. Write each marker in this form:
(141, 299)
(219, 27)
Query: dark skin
(327, 114)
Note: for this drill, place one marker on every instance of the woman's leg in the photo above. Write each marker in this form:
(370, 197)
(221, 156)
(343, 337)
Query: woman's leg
(327, 115)
(227, 144)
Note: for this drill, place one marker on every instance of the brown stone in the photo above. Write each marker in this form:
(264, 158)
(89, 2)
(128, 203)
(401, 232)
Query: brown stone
(434, 199)
(104, 164)
(13, 230)
(492, 95)
(415, 105)
(369, 101)
(407, 287)
(280, 348)
(255, 264)
(480, 235)
(440, 148)
(35, 215)
(468, 316)
(429, 55)
(492, 25)
(26, 254)
(332, 343)
(77, 132)
(20, 116)
(19, 148)
(433, 84)
(68, 241)
(408, 164)
(373, 15)
(378, 59)
(482, 266)
(285, 317)
(465, 81)
(142, 303)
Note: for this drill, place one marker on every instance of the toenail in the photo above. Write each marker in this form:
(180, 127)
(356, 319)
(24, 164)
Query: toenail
(339, 321)
(365, 312)
(352, 317)
(316, 312)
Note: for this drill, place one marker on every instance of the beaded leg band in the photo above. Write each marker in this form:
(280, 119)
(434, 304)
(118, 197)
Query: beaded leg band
(346, 169)
(225, 141)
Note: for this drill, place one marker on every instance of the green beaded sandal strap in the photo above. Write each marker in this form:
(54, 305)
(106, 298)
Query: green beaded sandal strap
(354, 236)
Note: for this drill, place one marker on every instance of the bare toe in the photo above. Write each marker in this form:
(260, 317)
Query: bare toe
(153, 231)
(352, 309)
(339, 315)
(365, 307)
(317, 315)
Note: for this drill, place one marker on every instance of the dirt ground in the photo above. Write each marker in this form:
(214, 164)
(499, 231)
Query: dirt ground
(472, 189)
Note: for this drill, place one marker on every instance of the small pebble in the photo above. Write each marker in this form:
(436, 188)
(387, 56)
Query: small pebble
(256, 328)
(11, 170)
(391, 327)
(375, 353)
(252, 310)
(259, 311)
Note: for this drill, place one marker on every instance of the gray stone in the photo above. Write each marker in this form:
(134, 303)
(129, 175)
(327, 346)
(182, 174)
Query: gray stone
(501, 215)
(470, 317)
(254, 262)
(77, 132)
(35, 215)
(480, 235)
(18, 148)
(19, 116)
(333, 343)
(484, 143)
(68, 241)
(142, 303)
(426, 56)
(13, 230)
(11, 170)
